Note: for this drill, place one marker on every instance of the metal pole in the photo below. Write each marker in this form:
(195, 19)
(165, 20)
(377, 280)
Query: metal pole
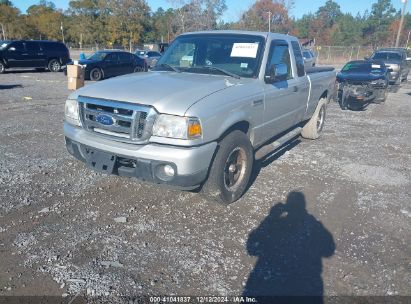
(408, 39)
(2, 29)
(269, 22)
(397, 42)
(62, 30)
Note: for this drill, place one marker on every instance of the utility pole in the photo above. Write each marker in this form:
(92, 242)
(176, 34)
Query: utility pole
(62, 30)
(2, 30)
(397, 42)
(269, 22)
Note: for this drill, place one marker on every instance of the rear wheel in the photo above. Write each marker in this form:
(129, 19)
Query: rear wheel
(315, 125)
(96, 74)
(54, 65)
(138, 69)
(231, 169)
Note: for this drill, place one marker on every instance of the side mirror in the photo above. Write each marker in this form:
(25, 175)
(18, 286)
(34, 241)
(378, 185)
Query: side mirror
(366, 58)
(275, 73)
(12, 49)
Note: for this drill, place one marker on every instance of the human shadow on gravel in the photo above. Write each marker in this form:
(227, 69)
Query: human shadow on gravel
(10, 86)
(290, 244)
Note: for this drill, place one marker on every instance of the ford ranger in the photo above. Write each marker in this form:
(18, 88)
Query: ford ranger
(215, 102)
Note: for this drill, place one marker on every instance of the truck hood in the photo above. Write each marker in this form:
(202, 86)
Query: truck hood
(167, 92)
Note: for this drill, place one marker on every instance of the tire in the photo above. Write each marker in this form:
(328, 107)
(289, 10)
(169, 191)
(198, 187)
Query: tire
(138, 69)
(383, 95)
(2, 68)
(96, 74)
(315, 125)
(231, 169)
(54, 65)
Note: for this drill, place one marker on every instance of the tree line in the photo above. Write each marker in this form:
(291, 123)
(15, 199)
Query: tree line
(126, 23)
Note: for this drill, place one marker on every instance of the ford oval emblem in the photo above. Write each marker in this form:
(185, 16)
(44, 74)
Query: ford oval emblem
(105, 119)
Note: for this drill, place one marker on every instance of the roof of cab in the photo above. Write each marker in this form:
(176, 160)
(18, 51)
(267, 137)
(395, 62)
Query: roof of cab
(238, 32)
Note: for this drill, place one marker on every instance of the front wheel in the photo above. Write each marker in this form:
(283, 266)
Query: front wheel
(54, 65)
(2, 68)
(230, 172)
(96, 74)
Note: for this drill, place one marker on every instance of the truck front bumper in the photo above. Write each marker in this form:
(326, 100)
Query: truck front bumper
(180, 167)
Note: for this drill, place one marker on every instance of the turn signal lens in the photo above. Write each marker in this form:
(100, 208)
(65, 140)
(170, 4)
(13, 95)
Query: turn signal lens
(194, 129)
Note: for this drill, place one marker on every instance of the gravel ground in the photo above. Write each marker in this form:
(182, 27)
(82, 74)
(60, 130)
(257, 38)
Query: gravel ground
(326, 217)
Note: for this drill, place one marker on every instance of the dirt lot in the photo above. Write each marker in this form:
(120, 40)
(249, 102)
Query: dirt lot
(326, 217)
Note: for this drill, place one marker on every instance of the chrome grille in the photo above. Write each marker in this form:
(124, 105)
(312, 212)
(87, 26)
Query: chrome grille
(130, 122)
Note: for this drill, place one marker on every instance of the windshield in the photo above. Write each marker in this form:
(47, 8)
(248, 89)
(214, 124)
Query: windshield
(363, 67)
(4, 43)
(97, 56)
(235, 54)
(387, 56)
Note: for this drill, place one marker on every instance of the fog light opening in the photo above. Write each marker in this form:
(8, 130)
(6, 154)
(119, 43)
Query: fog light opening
(165, 172)
(169, 171)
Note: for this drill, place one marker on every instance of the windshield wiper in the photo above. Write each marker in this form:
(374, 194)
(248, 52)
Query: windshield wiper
(169, 66)
(220, 70)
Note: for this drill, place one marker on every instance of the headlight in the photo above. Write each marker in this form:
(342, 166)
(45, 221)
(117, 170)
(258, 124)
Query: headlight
(394, 67)
(71, 112)
(177, 127)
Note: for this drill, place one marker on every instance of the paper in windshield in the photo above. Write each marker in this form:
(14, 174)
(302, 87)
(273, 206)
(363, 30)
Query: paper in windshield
(248, 50)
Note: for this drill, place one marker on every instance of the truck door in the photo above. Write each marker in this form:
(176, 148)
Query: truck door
(283, 98)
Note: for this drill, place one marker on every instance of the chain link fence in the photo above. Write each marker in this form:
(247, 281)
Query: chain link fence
(339, 55)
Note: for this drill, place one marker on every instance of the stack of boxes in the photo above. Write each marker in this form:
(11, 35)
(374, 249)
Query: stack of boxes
(75, 76)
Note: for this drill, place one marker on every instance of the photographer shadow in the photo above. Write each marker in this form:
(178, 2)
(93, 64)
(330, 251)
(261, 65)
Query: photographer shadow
(290, 244)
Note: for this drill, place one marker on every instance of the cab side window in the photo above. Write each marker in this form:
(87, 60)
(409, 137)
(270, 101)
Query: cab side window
(33, 47)
(280, 54)
(19, 46)
(124, 57)
(299, 60)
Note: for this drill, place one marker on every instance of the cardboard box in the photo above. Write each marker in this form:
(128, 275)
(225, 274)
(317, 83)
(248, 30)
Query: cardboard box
(75, 71)
(75, 83)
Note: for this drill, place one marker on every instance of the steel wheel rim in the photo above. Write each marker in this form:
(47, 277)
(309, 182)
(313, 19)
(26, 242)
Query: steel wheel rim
(137, 69)
(234, 169)
(1, 68)
(320, 119)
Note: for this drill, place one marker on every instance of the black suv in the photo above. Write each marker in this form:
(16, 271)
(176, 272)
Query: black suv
(33, 54)
(396, 60)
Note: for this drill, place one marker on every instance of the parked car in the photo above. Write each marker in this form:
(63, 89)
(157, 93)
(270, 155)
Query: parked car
(202, 125)
(396, 60)
(309, 58)
(361, 82)
(109, 63)
(151, 57)
(40, 54)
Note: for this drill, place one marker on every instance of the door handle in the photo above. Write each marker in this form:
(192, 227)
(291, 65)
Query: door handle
(257, 103)
(24, 54)
(40, 54)
(295, 89)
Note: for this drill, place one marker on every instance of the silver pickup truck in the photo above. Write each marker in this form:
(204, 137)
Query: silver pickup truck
(214, 103)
